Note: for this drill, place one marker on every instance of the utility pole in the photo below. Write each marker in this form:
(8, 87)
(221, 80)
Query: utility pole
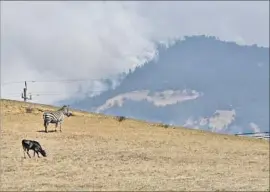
(24, 94)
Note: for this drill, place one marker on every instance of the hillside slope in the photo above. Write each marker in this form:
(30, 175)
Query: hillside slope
(96, 152)
(198, 82)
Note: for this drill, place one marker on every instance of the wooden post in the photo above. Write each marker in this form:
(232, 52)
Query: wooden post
(24, 94)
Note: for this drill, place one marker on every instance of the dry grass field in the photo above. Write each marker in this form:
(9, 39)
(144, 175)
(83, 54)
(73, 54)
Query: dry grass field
(98, 153)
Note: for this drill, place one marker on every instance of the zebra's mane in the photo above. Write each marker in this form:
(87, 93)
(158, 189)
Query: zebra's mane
(62, 108)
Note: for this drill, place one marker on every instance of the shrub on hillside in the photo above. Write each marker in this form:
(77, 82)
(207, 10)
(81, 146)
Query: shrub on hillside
(120, 118)
(163, 125)
(29, 110)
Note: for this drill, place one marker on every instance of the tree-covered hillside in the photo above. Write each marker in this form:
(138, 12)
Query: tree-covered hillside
(228, 76)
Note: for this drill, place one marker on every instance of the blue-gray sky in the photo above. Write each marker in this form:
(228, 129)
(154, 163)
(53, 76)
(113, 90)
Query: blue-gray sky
(87, 39)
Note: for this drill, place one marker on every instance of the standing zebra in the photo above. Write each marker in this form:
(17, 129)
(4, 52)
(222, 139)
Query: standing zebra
(56, 117)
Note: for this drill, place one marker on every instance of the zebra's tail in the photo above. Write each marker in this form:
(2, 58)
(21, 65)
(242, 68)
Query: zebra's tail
(23, 143)
(44, 116)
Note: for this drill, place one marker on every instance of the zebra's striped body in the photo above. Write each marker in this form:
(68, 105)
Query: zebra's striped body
(55, 117)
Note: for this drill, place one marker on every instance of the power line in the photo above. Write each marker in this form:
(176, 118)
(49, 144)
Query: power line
(52, 93)
(51, 81)
(13, 82)
(36, 94)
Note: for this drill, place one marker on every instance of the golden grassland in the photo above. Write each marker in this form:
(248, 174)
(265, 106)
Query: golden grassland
(96, 152)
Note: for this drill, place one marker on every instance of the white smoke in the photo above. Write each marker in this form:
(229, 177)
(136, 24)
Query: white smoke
(92, 40)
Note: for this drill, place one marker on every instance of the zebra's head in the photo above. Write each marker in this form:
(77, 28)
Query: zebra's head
(66, 110)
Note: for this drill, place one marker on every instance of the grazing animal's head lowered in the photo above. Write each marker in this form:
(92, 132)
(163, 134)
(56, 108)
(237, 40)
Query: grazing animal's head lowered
(43, 152)
(33, 145)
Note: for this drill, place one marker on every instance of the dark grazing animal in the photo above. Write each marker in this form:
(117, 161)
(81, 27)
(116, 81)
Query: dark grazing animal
(56, 117)
(120, 118)
(33, 145)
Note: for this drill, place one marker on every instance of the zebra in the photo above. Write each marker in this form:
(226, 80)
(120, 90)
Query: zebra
(33, 145)
(56, 117)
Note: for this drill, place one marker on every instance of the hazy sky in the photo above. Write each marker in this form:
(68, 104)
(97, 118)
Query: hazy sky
(70, 40)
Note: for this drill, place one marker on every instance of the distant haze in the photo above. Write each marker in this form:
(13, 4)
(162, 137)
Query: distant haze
(70, 40)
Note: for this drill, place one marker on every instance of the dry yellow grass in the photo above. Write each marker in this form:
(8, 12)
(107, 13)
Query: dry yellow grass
(95, 152)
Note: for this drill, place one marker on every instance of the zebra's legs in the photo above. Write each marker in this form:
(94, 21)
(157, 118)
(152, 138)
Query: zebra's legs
(28, 154)
(60, 126)
(24, 152)
(56, 125)
(46, 125)
(35, 151)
